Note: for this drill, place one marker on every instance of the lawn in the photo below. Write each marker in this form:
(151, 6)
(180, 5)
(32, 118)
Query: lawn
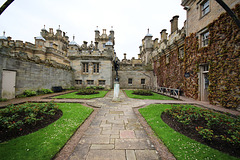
(73, 95)
(154, 96)
(181, 146)
(46, 142)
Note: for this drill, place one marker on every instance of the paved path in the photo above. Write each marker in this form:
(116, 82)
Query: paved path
(115, 133)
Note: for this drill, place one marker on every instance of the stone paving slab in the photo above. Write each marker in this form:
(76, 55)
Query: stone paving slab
(106, 155)
(133, 144)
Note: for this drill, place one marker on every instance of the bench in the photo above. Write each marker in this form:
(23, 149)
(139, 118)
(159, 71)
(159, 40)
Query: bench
(57, 89)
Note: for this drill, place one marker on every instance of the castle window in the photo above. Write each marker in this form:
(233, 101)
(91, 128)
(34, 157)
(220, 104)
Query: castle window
(167, 58)
(205, 8)
(142, 81)
(95, 67)
(204, 38)
(85, 67)
(130, 81)
(78, 82)
(90, 82)
(104, 45)
(51, 44)
(181, 53)
(101, 82)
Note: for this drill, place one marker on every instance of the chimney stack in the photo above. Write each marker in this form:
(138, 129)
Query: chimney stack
(125, 56)
(163, 34)
(174, 23)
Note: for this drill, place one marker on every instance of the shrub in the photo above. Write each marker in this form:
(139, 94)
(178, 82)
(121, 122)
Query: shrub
(29, 93)
(3, 99)
(86, 92)
(44, 91)
(143, 92)
(95, 87)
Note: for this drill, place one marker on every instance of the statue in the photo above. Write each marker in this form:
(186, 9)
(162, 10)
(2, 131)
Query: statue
(116, 67)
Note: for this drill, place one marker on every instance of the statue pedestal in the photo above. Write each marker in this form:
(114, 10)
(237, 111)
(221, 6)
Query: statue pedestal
(116, 97)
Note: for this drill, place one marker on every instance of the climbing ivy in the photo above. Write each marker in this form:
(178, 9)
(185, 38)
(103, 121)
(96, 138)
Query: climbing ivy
(223, 56)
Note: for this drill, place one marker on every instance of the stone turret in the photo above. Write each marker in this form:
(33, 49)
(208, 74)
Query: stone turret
(148, 41)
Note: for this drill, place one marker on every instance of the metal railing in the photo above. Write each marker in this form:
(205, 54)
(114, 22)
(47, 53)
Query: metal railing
(172, 92)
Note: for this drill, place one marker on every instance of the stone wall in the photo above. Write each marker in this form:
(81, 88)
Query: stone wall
(136, 73)
(31, 75)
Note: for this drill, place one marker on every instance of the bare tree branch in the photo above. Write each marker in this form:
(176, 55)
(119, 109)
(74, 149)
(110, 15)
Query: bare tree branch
(229, 11)
(5, 5)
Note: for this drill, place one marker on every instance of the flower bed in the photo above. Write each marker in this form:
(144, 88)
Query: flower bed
(87, 92)
(143, 92)
(26, 118)
(219, 131)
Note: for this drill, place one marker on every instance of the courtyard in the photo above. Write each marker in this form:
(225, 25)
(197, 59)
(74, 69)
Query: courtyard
(115, 130)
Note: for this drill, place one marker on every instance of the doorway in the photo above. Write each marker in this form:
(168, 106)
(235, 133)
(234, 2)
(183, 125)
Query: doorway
(204, 82)
(8, 84)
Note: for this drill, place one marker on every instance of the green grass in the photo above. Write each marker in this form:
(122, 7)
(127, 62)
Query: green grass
(154, 96)
(73, 95)
(46, 142)
(181, 146)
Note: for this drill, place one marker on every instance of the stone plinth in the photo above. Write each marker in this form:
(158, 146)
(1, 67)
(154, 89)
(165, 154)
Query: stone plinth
(116, 97)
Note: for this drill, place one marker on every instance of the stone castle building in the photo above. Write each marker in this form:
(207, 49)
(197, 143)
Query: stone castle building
(55, 61)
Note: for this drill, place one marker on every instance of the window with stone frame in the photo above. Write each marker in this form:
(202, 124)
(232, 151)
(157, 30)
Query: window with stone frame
(142, 81)
(85, 67)
(205, 7)
(204, 39)
(130, 81)
(78, 82)
(90, 82)
(101, 82)
(181, 53)
(167, 58)
(95, 67)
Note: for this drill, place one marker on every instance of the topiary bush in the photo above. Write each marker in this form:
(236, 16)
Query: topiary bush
(87, 92)
(143, 92)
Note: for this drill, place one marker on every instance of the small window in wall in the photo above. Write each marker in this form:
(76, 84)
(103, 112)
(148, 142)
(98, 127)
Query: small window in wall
(104, 45)
(90, 82)
(167, 58)
(78, 82)
(181, 53)
(95, 67)
(205, 68)
(85, 67)
(130, 81)
(101, 82)
(51, 44)
(205, 8)
(142, 81)
(204, 39)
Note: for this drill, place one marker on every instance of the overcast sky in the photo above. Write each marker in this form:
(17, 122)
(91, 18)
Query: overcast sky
(24, 19)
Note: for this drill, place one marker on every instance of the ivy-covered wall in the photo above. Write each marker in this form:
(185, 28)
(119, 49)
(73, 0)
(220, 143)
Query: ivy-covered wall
(223, 56)
(170, 74)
